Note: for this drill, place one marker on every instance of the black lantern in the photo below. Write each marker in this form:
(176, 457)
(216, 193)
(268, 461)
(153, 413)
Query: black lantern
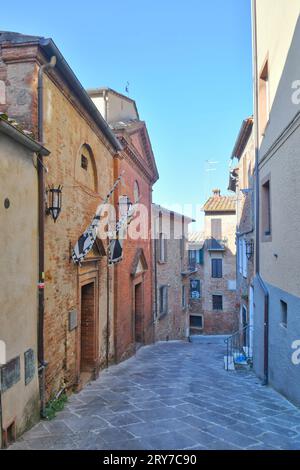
(249, 249)
(54, 201)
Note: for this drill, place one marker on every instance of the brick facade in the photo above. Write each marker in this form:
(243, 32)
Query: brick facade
(68, 128)
(171, 273)
(242, 182)
(133, 322)
(225, 320)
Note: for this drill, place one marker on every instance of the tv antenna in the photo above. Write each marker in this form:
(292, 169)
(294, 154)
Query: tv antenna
(210, 167)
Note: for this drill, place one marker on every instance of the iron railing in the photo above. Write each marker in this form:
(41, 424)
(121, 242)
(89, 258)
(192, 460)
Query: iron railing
(239, 347)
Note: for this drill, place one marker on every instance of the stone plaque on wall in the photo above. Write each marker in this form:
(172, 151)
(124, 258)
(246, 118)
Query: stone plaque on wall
(10, 374)
(72, 320)
(29, 361)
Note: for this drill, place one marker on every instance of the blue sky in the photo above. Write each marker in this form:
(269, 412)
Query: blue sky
(188, 63)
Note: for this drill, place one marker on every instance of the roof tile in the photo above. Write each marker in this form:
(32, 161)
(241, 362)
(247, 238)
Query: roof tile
(220, 204)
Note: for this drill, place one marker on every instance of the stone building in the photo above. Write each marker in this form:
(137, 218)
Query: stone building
(277, 140)
(170, 274)
(133, 322)
(241, 181)
(212, 258)
(19, 386)
(76, 304)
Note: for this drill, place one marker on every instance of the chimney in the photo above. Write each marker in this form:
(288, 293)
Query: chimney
(216, 192)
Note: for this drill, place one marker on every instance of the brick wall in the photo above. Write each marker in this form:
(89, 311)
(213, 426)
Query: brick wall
(124, 280)
(66, 128)
(172, 325)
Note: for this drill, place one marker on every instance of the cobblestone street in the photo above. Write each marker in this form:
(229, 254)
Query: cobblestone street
(171, 396)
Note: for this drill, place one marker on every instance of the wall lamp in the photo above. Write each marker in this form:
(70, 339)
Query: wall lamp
(54, 201)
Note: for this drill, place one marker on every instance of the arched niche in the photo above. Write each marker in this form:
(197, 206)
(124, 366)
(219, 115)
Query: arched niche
(85, 169)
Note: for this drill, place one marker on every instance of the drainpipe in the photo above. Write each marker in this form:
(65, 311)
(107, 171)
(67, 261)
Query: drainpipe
(107, 306)
(155, 275)
(1, 427)
(41, 221)
(257, 200)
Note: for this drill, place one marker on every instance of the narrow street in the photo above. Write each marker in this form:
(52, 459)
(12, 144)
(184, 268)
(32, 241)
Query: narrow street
(172, 396)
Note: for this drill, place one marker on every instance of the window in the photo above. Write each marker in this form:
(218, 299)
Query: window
(264, 98)
(217, 268)
(245, 259)
(196, 257)
(162, 248)
(192, 259)
(85, 168)
(284, 313)
(240, 255)
(163, 300)
(136, 192)
(182, 247)
(195, 293)
(217, 301)
(84, 162)
(196, 322)
(183, 297)
(266, 210)
(201, 256)
(216, 229)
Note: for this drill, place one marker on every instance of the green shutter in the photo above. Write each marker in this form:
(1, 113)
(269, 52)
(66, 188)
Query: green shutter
(201, 256)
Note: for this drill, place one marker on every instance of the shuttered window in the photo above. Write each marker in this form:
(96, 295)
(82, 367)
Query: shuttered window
(163, 300)
(216, 229)
(217, 268)
(162, 248)
(245, 260)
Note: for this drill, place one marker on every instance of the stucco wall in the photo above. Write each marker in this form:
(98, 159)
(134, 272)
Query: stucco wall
(284, 375)
(273, 39)
(19, 276)
(228, 228)
(118, 108)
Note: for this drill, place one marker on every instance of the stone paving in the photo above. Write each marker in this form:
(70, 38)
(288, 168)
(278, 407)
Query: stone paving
(172, 396)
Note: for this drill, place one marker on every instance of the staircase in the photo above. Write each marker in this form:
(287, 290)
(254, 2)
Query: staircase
(239, 353)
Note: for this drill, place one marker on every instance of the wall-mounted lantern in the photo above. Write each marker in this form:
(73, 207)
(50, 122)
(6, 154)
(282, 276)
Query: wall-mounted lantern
(54, 201)
(249, 249)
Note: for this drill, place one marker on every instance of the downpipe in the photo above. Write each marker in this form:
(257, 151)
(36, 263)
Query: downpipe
(257, 199)
(41, 224)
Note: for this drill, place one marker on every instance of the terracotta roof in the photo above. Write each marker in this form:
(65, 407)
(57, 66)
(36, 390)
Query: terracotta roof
(13, 129)
(196, 237)
(242, 138)
(218, 203)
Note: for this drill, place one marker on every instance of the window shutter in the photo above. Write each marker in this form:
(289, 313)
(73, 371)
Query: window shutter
(244, 255)
(166, 299)
(220, 268)
(240, 256)
(201, 256)
(213, 268)
(216, 229)
(165, 241)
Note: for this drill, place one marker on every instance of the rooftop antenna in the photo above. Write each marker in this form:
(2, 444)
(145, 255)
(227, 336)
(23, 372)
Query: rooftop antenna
(210, 167)
(127, 88)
